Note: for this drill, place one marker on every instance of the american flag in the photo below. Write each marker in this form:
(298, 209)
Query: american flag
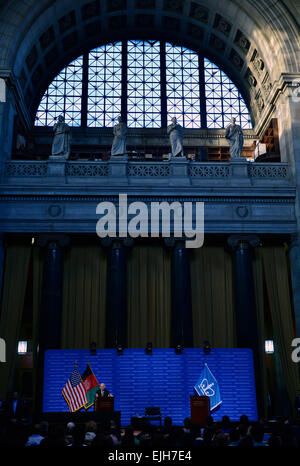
(74, 392)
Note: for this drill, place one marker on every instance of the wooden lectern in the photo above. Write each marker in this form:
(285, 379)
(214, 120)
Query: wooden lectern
(200, 409)
(106, 403)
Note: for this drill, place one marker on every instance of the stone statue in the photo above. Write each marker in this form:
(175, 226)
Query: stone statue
(119, 142)
(234, 134)
(61, 143)
(175, 131)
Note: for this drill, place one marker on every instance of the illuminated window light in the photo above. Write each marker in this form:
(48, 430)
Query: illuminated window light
(22, 347)
(269, 346)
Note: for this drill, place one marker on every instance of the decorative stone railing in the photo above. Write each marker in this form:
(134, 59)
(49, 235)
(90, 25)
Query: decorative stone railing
(26, 169)
(120, 172)
(199, 170)
(270, 170)
(87, 169)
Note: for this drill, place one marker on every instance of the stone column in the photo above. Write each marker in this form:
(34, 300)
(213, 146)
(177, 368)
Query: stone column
(182, 318)
(116, 316)
(245, 303)
(51, 300)
(2, 253)
(294, 252)
(7, 114)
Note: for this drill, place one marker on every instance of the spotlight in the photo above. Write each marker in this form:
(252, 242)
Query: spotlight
(119, 350)
(206, 347)
(93, 348)
(148, 348)
(178, 349)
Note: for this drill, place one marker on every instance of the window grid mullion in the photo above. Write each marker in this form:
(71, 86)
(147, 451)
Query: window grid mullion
(85, 79)
(222, 99)
(124, 78)
(202, 91)
(104, 86)
(144, 86)
(163, 85)
(65, 93)
(182, 89)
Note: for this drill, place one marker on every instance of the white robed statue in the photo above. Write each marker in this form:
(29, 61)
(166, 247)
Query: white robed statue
(61, 142)
(119, 142)
(234, 134)
(175, 131)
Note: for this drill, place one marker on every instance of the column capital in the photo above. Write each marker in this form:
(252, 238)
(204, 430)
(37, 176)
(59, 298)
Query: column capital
(243, 241)
(117, 243)
(175, 243)
(53, 240)
(294, 241)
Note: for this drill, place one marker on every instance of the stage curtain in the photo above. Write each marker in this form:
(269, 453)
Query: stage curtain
(212, 297)
(278, 291)
(149, 297)
(84, 297)
(14, 287)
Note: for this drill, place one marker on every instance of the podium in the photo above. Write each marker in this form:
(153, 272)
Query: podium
(200, 409)
(106, 403)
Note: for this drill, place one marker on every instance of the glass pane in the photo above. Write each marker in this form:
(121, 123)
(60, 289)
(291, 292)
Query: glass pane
(144, 84)
(63, 97)
(183, 87)
(104, 85)
(223, 100)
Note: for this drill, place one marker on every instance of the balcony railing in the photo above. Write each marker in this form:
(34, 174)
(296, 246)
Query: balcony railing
(119, 171)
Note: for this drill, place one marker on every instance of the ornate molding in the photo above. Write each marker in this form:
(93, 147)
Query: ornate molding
(53, 240)
(148, 170)
(24, 169)
(243, 241)
(259, 170)
(87, 170)
(230, 199)
(209, 171)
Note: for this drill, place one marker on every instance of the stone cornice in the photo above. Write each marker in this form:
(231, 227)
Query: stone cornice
(14, 87)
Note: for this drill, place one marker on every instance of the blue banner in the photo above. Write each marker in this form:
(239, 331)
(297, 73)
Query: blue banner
(207, 385)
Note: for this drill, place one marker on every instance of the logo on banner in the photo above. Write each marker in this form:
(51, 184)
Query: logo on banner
(207, 385)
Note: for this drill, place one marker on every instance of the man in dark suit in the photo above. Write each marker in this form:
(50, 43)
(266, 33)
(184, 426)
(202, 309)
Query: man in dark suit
(102, 392)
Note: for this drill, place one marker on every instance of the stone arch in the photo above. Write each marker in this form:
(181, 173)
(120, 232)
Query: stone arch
(246, 38)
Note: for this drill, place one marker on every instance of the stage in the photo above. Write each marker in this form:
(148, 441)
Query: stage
(163, 379)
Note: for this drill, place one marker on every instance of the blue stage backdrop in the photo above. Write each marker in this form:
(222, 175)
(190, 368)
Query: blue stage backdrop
(163, 379)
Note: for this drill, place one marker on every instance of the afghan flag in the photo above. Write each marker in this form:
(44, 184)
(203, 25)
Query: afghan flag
(90, 384)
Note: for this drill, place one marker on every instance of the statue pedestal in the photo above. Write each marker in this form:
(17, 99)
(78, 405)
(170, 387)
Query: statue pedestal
(239, 172)
(179, 175)
(118, 169)
(56, 166)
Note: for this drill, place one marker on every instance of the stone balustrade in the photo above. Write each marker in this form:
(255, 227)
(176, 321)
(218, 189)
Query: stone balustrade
(118, 171)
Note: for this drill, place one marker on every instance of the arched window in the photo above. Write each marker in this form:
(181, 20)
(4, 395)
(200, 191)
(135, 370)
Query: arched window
(147, 82)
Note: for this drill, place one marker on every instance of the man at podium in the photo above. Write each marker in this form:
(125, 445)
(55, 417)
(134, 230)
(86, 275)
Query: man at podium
(104, 401)
(102, 392)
